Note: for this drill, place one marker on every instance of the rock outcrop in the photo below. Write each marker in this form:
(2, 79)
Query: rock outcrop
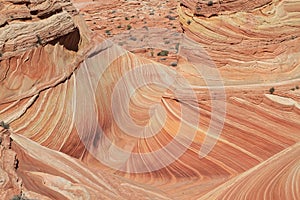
(83, 118)
(11, 184)
(249, 41)
(27, 24)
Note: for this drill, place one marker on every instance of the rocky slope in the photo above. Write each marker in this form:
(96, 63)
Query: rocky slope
(83, 118)
(39, 53)
(252, 42)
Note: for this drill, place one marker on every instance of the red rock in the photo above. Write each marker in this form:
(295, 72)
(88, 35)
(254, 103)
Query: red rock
(85, 118)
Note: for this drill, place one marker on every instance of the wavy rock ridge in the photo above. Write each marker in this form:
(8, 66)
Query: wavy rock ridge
(254, 41)
(90, 120)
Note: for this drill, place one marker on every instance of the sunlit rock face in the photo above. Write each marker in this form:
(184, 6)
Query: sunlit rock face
(215, 7)
(36, 22)
(10, 182)
(87, 119)
(248, 40)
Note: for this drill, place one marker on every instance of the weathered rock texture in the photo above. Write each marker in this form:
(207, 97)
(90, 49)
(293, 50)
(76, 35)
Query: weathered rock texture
(10, 182)
(65, 94)
(26, 24)
(251, 41)
(127, 23)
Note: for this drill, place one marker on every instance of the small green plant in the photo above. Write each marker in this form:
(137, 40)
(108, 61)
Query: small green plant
(188, 22)
(108, 32)
(19, 197)
(272, 90)
(174, 64)
(16, 197)
(198, 7)
(4, 125)
(129, 27)
(119, 26)
(210, 3)
(297, 87)
(39, 40)
(126, 18)
(170, 17)
(163, 53)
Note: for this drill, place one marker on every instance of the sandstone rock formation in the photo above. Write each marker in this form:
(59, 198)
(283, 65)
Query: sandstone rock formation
(36, 22)
(10, 182)
(250, 41)
(83, 118)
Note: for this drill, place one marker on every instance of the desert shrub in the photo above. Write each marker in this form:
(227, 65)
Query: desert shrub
(4, 125)
(170, 17)
(16, 197)
(272, 90)
(188, 22)
(129, 27)
(210, 3)
(174, 64)
(19, 197)
(108, 32)
(163, 53)
(39, 40)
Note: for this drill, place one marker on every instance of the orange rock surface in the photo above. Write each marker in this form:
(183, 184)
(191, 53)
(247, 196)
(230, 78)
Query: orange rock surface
(93, 112)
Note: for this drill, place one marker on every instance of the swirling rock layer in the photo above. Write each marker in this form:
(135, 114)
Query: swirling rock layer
(252, 41)
(90, 120)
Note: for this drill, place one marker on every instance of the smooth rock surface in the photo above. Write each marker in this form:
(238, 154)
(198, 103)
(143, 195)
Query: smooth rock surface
(87, 119)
